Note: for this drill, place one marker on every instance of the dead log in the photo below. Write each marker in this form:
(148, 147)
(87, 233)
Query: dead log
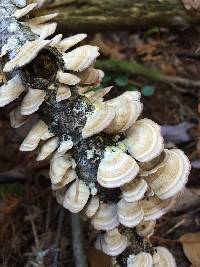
(96, 15)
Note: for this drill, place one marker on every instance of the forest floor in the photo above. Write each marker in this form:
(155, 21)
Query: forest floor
(34, 231)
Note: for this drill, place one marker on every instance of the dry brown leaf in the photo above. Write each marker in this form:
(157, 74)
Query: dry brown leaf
(107, 49)
(97, 258)
(146, 48)
(148, 51)
(189, 199)
(9, 204)
(191, 247)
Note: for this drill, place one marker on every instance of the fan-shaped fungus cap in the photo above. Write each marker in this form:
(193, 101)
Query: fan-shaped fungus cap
(48, 148)
(163, 258)
(69, 176)
(172, 177)
(106, 217)
(116, 168)
(98, 119)
(129, 213)
(26, 54)
(58, 166)
(25, 10)
(112, 243)
(42, 19)
(16, 118)
(127, 111)
(134, 190)
(63, 93)
(65, 145)
(68, 42)
(146, 228)
(142, 259)
(67, 78)
(32, 101)
(34, 136)
(149, 167)
(144, 140)
(80, 58)
(10, 91)
(76, 196)
(91, 76)
(56, 40)
(92, 207)
(154, 207)
(43, 30)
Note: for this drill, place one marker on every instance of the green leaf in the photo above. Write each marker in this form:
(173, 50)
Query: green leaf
(131, 87)
(151, 31)
(148, 90)
(106, 79)
(121, 81)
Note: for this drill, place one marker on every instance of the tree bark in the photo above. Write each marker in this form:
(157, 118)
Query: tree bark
(93, 15)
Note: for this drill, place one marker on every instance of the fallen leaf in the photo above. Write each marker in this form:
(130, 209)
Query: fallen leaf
(97, 258)
(9, 204)
(189, 199)
(191, 247)
(148, 51)
(177, 133)
(112, 50)
(195, 164)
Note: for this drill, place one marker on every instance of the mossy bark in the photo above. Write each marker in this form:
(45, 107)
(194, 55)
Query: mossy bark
(81, 15)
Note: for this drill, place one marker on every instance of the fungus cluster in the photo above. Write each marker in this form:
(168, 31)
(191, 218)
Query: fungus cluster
(104, 161)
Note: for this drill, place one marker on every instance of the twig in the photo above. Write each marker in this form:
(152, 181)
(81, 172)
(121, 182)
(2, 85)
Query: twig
(36, 239)
(78, 242)
(58, 236)
(164, 240)
(12, 176)
(175, 227)
(48, 214)
(153, 74)
(181, 81)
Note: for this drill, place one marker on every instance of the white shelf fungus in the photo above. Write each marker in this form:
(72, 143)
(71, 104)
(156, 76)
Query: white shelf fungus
(134, 190)
(144, 140)
(76, 196)
(163, 258)
(116, 168)
(106, 217)
(112, 242)
(129, 214)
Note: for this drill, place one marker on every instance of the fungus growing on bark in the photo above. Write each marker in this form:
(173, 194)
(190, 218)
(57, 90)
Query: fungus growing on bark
(102, 160)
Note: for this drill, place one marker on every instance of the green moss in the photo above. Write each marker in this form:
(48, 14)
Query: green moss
(129, 68)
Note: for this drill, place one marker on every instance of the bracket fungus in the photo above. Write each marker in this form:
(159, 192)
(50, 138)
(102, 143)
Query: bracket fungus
(170, 179)
(103, 160)
(112, 242)
(146, 228)
(142, 259)
(16, 118)
(134, 190)
(163, 258)
(130, 214)
(105, 217)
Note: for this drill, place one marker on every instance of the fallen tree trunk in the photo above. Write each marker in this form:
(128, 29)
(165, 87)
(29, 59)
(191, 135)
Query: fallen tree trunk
(93, 15)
